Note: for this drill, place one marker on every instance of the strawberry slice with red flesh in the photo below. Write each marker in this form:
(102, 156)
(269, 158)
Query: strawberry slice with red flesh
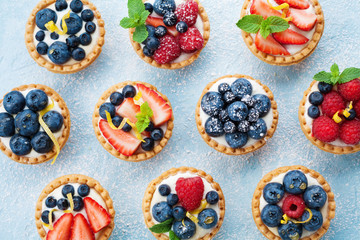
(128, 109)
(124, 142)
(299, 4)
(97, 215)
(81, 229)
(259, 7)
(162, 111)
(290, 37)
(302, 19)
(269, 45)
(62, 228)
(155, 22)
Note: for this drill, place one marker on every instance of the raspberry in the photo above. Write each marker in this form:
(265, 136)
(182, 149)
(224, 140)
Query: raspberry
(191, 40)
(293, 206)
(187, 12)
(350, 90)
(190, 192)
(168, 51)
(357, 109)
(332, 103)
(350, 132)
(325, 129)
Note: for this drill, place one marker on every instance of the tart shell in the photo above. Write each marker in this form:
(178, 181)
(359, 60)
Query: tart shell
(150, 190)
(240, 151)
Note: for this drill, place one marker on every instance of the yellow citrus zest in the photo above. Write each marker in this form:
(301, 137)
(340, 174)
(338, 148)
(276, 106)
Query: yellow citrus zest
(137, 134)
(53, 28)
(192, 217)
(285, 9)
(202, 207)
(287, 218)
(346, 112)
(109, 120)
(69, 196)
(137, 99)
(336, 117)
(50, 225)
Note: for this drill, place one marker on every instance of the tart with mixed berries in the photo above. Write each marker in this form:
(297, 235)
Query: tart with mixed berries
(293, 203)
(74, 207)
(329, 112)
(133, 121)
(184, 203)
(167, 33)
(236, 114)
(282, 32)
(34, 124)
(64, 36)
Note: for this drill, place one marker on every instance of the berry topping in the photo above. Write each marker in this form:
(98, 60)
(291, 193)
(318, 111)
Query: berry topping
(74, 24)
(54, 36)
(20, 145)
(152, 43)
(315, 197)
(236, 140)
(85, 39)
(44, 16)
(26, 123)
(83, 190)
(148, 52)
(207, 218)
(149, 7)
(73, 41)
(350, 90)
(128, 109)
(172, 199)
(160, 31)
(163, 6)
(271, 215)
(253, 115)
(164, 190)
(237, 111)
(36, 100)
(107, 107)
(313, 111)
(244, 126)
(169, 19)
(302, 19)
(325, 129)
(61, 5)
(290, 37)
(357, 109)
(179, 213)
(157, 22)
(76, 6)
(87, 15)
(68, 189)
(45, 216)
(300, 4)
(316, 98)
(78, 203)
(190, 192)
(7, 125)
(295, 182)
(293, 206)
(54, 120)
(161, 211)
(229, 97)
(332, 103)
(223, 88)
(248, 100)
(187, 12)
(273, 192)
(78, 54)
(212, 103)
(184, 229)
(269, 45)
(214, 127)
(90, 27)
(260, 7)
(290, 231)
(42, 48)
(191, 40)
(181, 27)
(168, 51)
(241, 87)
(40, 35)
(258, 129)
(42, 143)
(81, 229)
(350, 132)
(62, 204)
(62, 228)
(148, 145)
(150, 128)
(223, 115)
(14, 102)
(157, 134)
(59, 52)
(97, 215)
(316, 221)
(50, 202)
(229, 127)
(325, 87)
(212, 197)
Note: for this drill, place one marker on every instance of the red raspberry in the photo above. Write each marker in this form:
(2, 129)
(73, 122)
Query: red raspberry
(325, 129)
(293, 206)
(332, 103)
(357, 109)
(350, 90)
(190, 192)
(187, 12)
(350, 132)
(191, 41)
(168, 51)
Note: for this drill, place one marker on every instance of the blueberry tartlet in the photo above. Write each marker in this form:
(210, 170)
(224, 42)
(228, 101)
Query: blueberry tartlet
(236, 114)
(133, 121)
(184, 203)
(65, 36)
(74, 207)
(34, 124)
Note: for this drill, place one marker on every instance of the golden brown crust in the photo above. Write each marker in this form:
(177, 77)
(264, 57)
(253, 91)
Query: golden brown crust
(61, 140)
(82, 179)
(140, 156)
(151, 61)
(56, 68)
(292, 59)
(308, 132)
(240, 151)
(268, 177)
(150, 190)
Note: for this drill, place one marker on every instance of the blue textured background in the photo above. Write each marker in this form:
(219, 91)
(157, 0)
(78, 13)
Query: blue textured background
(126, 182)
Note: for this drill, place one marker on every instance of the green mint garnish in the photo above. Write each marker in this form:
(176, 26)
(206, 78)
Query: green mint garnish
(163, 227)
(334, 77)
(173, 236)
(143, 118)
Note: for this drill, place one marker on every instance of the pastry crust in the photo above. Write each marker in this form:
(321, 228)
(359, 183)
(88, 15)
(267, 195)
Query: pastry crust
(150, 190)
(268, 177)
(240, 151)
(61, 140)
(151, 61)
(59, 68)
(136, 157)
(82, 179)
(292, 59)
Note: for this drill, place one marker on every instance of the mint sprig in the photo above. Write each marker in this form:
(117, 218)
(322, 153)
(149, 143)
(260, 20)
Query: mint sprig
(173, 236)
(163, 227)
(143, 118)
(334, 77)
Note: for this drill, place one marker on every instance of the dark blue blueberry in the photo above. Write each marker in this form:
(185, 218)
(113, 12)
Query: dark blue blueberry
(237, 139)
(14, 102)
(7, 125)
(181, 27)
(85, 39)
(207, 218)
(148, 52)
(271, 215)
(40, 35)
(229, 97)
(352, 115)
(44, 16)
(42, 48)
(290, 231)
(20, 145)
(150, 127)
(223, 115)
(61, 5)
(164, 189)
(152, 43)
(116, 98)
(314, 111)
(63, 204)
(74, 24)
(129, 91)
(59, 52)
(212, 103)
(273, 192)
(45, 216)
(179, 213)
(258, 129)
(316, 221)
(172, 199)
(126, 128)
(325, 87)
(241, 87)
(78, 54)
(316, 98)
(54, 120)
(237, 111)
(42, 143)
(214, 127)
(248, 100)
(212, 197)
(262, 103)
(90, 27)
(83, 190)
(151, 30)
(107, 107)
(244, 126)
(170, 19)
(149, 7)
(315, 197)
(148, 145)
(54, 36)
(87, 15)
(73, 41)
(229, 127)
(253, 115)
(161, 211)
(36, 100)
(50, 202)
(76, 6)
(295, 182)
(68, 188)
(163, 6)
(157, 134)
(27, 123)
(78, 203)
(160, 31)
(184, 232)
(223, 88)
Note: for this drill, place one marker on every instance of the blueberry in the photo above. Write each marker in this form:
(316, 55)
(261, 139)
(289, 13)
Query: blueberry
(148, 52)
(214, 127)
(83, 190)
(54, 120)
(152, 43)
(150, 127)
(229, 97)
(68, 189)
(258, 129)
(14, 102)
(271, 215)
(45, 216)
(241, 87)
(352, 115)
(116, 98)
(42, 48)
(248, 100)
(244, 126)
(157, 134)
(42, 143)
(148, 145)
(40, 35)
(315, 197)
(253, 115)
(85, 39)
(151, 30)
(90, 27)
(149, 7)
(107, 107)
(179, 213)
(59, 52)
(54, 36)
(126, 128)
(78, 203)
(20, 145)
(129, 91)
(73, 41)
(74, 24)
(76, 6)
(207, 218)
(78, 54)
(273, 192)
(237, 139)
(316, 221)
(26, 123)
(61, 5)
(212, 103)
(223, 88)
(316, 98)
(314, 111)
(237, 111)
(160, 31)
(163, 6)
(290, 231)
(36, 100)
(44, 16)
(164, 189)
(87, 15)
(223, 115)
(181, 27)
(50, 202)
(170, 19)
(161, 212)
(262, 103)
(212, 197)
(186, 230)
(229, 127)
(7, 125)
(325, 87)
(63, 204)
(172, 199)
(295, 182)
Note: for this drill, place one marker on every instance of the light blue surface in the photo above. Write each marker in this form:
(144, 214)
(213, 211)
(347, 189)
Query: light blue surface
(126, 182)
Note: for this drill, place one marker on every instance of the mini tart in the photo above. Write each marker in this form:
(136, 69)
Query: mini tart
(81, 179)
(151, 189)
(291, 59)
(151, 61)
(61, 140)
(56, 68)
(228, 150)
(140, 156)
(255, 205)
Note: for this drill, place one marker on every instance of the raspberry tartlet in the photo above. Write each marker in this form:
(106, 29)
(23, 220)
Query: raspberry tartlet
(329, 112)
(133, 121)
(34, 124)
(65, 36)
(236, 114)
(296, 29)
(293, 203)
(74, 207)
(184, 203)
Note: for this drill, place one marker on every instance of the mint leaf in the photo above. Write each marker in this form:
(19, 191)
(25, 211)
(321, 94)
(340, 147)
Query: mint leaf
(140, 34)
(277, 24)
(250, 23)
(335, 70)
(162, 227)
(143, 16)
(349, 74)
(146, 110)
(173, 236)
(143, 118)
(127, 23)
(323, 77)
(135, 7)
(264, 29)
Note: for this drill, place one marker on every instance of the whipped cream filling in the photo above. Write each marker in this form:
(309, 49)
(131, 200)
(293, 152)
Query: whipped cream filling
(256, 89)
(171, 181)
(311, 181)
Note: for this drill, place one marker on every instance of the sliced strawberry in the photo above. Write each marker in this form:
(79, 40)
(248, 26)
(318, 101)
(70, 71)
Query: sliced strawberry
(62, 228)
(97, 215)
(123, 142)
(269, 45)
(302, 19)
(290, 37)
(155, 22)
(162, 112)
(81, 229)
(259, 7)
(128, 109)
(300, 4)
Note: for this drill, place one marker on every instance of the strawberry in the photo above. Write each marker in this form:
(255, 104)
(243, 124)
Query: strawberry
(168, 51)
(155, 22)
(81, 229)
(269, 45)
(350, 90)
(332, 103)
(302, 19)
(300, 4)
(123, 142)
(191, 40)
(259, 7)
(97, 215)
(128, 109)
(162, 111)
(62, 228)
(190, 192)
(290, 37)
(187, 12)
